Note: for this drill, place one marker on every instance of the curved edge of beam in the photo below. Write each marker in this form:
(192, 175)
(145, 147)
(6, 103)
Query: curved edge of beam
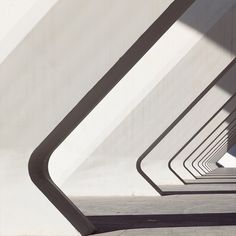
(38, 163)
(39, 174)
(191, 139)
(185, 160)
(199, 156)
(171, 126)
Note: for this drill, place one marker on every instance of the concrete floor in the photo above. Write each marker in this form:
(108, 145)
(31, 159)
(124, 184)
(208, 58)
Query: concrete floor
(200, 187)
(223, 171)
(171, 215)
(193, 231)
(211, 181)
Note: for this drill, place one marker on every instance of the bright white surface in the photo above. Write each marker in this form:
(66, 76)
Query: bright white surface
(17, 18)
(110, 112)
(110, 169)
(122, 100)
(42, 80)
(24, 209)
(229, 159)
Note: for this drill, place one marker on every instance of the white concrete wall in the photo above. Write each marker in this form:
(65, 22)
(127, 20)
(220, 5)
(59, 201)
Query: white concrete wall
(17, 19)
(110, 169)
(61, 59)
(221, 141)
(55, 65)
(229, 160)
(148, 72)
(208, 145)
(206, 135)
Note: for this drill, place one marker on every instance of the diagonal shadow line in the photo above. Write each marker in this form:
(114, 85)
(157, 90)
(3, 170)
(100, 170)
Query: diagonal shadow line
(107, 223)
(170, 127)
(190, 140)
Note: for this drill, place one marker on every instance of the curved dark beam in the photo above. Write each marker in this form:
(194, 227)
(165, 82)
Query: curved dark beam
(201, 159)
(230, 103)
(192, 182)
(191, 139)
(217, 179)
(176, 121)
(198, 192)
(184, 163)
(215, 158)
(38, 163)
(209, 153)
(227, 172)
(214, 162)
(217, 149)
(206, 191)
(192, 163)
(218, 153)
(228, 119)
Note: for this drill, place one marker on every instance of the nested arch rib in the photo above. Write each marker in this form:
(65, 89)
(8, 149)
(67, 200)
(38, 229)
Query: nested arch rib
(38, 163)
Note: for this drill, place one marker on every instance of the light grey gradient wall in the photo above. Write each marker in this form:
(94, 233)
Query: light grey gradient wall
(114, 160)
(41, 81)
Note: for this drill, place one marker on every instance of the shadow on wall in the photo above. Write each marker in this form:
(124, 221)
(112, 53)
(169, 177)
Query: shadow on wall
(226, 43)
(232, 151)
(227, 23)
(224, 39)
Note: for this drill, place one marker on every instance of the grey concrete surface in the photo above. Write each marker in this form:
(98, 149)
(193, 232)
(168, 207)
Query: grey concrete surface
(55, 65)
(217, 147)
(224, 171)
(120, 150)
(52, 69)
(192, 231)
(200, 187)
(196, 204)
(212, 181)
(222, 119)
(206, 147)
(178, 204)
